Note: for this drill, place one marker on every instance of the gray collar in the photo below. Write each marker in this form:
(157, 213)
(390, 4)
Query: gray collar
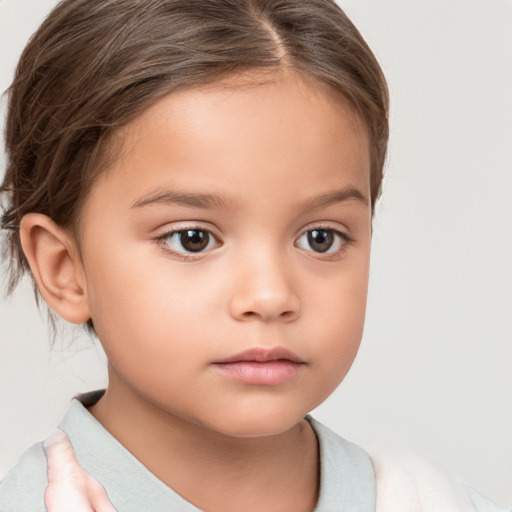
(347, 479)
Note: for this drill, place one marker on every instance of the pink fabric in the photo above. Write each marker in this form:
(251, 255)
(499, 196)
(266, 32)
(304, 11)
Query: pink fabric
(406, 483)
(69, 486)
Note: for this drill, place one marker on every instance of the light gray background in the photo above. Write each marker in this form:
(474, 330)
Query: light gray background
(434, 372)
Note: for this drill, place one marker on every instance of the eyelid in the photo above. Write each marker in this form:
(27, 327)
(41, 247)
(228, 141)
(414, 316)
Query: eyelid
(160, 239)
(346, 239)
(327, 226)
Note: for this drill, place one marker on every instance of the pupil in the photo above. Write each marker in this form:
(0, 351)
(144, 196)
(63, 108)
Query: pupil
(320, 240)
(194, 240)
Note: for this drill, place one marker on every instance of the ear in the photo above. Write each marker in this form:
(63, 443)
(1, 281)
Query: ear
(56, 267)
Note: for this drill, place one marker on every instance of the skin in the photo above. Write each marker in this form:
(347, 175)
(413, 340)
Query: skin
(165, 318)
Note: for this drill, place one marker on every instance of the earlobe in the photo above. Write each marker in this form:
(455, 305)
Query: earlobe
(55, 266)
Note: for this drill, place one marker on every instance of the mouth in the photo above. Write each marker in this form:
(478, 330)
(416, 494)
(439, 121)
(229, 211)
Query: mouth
(260, 366)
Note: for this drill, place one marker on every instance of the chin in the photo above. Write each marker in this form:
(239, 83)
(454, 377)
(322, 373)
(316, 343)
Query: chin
(258, 423)
(253, 429)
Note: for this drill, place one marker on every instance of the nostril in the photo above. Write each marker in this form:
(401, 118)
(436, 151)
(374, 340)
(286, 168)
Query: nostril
(285, 315)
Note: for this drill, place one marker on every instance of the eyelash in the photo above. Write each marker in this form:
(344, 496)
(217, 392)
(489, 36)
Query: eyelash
(186, 256)
(344, 239)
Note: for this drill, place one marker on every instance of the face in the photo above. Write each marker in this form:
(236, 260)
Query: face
(226, 253)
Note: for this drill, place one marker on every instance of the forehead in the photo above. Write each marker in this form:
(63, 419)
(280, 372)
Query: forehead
(231, 133)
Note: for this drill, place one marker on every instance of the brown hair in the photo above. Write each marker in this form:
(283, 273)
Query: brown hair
(94, 65)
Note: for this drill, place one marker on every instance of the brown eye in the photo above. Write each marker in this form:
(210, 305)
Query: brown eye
(320, 240)
(194, 240)
(186, 241)
(323, 240)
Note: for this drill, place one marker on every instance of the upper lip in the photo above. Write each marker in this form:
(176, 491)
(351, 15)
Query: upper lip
(262, 355)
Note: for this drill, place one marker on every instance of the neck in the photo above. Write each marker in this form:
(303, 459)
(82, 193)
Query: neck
(232, 470)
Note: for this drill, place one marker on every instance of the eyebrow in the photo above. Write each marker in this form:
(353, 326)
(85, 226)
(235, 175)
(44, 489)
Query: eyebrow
(192, 200)
(214, 201)
(338, 196)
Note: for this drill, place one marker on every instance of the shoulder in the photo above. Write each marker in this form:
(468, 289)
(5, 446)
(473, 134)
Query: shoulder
(24, 486)
(407, 483)
(389, 482)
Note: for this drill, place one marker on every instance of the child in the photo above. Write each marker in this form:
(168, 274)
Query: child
(194, 181)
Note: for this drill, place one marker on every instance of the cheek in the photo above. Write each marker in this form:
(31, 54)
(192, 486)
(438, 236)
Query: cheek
(149, 313)
(339, 297)
(340, 312)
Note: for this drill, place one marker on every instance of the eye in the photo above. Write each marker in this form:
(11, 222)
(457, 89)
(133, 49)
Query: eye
(323, 240)
(190, 240)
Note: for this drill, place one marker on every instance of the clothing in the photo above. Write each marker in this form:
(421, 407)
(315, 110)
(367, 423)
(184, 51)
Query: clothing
(347, 475)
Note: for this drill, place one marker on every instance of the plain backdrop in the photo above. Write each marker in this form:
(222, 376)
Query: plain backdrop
(433, 375)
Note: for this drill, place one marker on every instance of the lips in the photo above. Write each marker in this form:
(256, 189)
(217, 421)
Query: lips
(261, 355)
(260, 366)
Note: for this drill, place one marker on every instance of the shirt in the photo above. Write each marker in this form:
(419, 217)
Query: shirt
(348, 481)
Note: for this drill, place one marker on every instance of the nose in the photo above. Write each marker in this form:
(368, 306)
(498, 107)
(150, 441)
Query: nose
(263, 290)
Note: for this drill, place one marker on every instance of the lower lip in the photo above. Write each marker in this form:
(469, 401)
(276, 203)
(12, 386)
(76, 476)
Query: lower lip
(268, 373)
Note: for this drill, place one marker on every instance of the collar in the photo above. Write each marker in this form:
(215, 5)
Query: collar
(347, 479)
